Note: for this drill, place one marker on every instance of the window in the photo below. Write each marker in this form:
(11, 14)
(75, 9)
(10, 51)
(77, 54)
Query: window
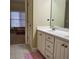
(17, 19)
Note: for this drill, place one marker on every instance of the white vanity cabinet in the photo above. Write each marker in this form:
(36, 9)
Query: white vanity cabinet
(52, 47)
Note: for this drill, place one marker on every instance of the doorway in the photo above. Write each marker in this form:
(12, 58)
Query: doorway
(17, 22)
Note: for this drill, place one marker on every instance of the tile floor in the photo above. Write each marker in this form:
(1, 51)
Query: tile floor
(18, 51)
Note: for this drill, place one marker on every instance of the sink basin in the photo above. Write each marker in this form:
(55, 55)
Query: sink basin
(60, 32)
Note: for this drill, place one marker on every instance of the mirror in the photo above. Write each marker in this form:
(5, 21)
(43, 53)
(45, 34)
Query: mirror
(59, 13)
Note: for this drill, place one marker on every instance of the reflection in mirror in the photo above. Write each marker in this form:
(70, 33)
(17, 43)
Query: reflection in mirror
(59, 13)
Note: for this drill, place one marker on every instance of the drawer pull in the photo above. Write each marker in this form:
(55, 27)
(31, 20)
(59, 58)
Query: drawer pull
(62, 45)
(48, 46)
(40, 34)
(48, 37)
(65, 46)
(48, 56)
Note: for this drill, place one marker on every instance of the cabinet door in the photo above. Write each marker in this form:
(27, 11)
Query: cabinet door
(66, 50)
(41, 42)
(59, 49)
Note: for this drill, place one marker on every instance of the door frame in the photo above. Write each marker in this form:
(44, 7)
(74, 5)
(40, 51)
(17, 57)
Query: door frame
(29, 22)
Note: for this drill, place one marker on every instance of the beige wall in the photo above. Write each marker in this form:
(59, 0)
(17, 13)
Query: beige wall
(17, 6)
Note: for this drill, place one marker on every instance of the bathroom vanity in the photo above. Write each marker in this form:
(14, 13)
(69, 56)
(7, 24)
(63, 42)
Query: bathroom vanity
(44, 13)
(53, 44)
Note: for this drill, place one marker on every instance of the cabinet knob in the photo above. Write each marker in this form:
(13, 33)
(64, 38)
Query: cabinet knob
(48, 46)
(65, 46)
(47, 56)
(62, 45)
(48, 37)
(30, 25)
(40, 34)
(52, 19)
(48, 19)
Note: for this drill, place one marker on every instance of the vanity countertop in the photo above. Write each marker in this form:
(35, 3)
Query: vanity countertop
(57, 32)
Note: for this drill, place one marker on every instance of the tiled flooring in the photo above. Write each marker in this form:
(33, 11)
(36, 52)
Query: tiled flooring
(18, 51)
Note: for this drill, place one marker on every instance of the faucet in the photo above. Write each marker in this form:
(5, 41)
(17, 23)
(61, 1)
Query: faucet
(52, 26)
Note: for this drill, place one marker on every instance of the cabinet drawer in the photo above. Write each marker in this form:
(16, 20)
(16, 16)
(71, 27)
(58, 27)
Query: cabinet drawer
(50, 38)
(49, 46)
(48, 55)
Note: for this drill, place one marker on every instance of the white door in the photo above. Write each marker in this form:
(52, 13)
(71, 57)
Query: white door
(59, 49)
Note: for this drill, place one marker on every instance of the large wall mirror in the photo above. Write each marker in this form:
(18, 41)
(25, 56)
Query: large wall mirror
(59, 13)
